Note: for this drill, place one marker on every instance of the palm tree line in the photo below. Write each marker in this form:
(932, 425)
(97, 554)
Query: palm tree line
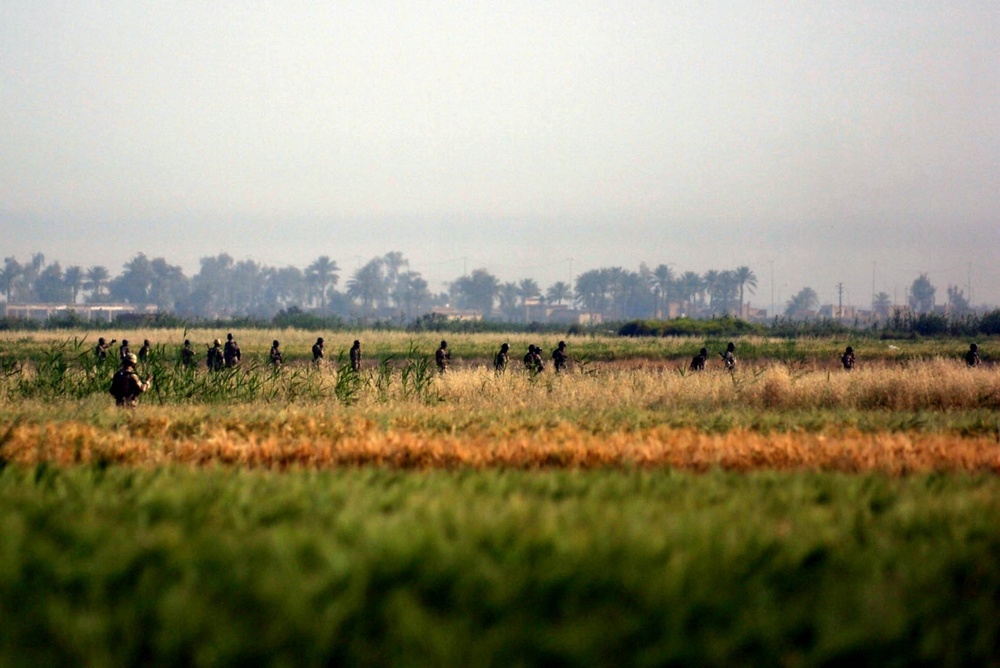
(384, 287)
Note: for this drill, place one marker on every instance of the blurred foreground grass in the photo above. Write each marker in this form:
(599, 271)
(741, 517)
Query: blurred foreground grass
(114, 566)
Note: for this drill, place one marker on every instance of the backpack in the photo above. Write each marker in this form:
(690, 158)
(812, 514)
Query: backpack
(119, 384)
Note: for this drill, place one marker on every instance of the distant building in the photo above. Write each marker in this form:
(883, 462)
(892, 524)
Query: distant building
(88, 312)
(457, 314)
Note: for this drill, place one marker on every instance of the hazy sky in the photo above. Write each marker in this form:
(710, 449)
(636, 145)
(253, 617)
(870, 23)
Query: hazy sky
(816, 142)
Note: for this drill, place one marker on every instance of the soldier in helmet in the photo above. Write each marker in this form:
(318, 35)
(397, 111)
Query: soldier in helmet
(972, 356)
(317, 350)
(356, 356)
(559, 357)
(101, 349)
(231, 354)
(187, 354)
(729, 357)
(442, 357)
(276, 357)
(123, 351)
(847, 359)
(698, 361)
(501, 358)
(126, 386)
(533, 360)
(145, 350)
(214, 359)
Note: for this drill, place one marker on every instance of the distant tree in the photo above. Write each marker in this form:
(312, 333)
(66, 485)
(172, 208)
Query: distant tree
(804, 300)
(410, 293)
(528, 289)
(746, 279)
(478, 291)
(956, 300)
(367, 286)
(509, 297)
(9, 276)
(689, 288)
(168, 285)
(134, 284)
(663, 286)
(73, 278)
(922, 294)
(558, 292)
(882, 304)
(49, 285)
(212, 287)
(322, 276)
(592, 288)
(393, 263)
(96, 282)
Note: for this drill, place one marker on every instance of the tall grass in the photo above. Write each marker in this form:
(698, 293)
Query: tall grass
(110, 566)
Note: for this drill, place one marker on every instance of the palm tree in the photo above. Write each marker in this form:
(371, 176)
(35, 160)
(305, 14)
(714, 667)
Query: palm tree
(8, 276)
(393, 262)
(367, 286)
(882, 304)
(508, 297)
(73, 278)
(746, 278)
(322, 275)
(690, 286)
(663, 285)
(558, 292)
(528, 289)
(96, 282)
(478, 290)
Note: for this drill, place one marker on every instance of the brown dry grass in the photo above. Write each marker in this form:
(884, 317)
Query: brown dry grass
(356, 442)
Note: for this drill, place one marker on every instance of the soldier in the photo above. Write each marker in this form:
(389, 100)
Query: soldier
(126, 386)
(214, 359)
(277, 359)
(101, 349)
(145, 350)
(442, 357)
(123, 351)
(847, 359)
(231, 354)
(187, 354)
(559, 357)
(698, 361)
(318, 350)
(533, 360)
(501, 358)
(972, 357)
(729, 358)
(356, 356)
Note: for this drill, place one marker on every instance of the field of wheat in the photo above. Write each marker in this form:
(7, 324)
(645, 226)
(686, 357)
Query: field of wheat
(917, 414)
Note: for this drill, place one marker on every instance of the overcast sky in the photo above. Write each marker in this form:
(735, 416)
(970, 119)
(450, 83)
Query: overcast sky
(816, 142)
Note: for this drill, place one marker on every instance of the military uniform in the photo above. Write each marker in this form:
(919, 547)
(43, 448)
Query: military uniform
(972, 356)
(277, 359)
(356, 356)
(126, 386)
(144, 351)
(442, 357)
(231, 354)
(729, 358)
(501, 358)
(847, 359)
(698, 361)
(559, 357)
(317, 350)
(214, 359)
(187, 354)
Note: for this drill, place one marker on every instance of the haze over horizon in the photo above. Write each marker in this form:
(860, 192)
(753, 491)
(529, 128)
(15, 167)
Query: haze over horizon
(815, 143)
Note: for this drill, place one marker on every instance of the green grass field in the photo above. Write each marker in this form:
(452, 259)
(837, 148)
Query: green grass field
(625, 513)
(374, 567)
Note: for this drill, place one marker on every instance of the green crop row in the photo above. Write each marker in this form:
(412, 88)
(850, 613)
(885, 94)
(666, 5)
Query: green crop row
(109, 566)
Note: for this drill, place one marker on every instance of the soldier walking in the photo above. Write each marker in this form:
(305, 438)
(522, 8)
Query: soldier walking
(214, 359)
(231, 354)
(101, 349)
(277, 359)
(972, 356)
(559, 357)
(847, 359)
(356, 356)
(126, 386)
(317, 351)
(729, 357)
(501, 359)
(442, 357)
(145, 350)
(698, 361)
(187, 354)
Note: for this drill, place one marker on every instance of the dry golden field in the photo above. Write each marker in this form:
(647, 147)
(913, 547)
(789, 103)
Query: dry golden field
(921, 415)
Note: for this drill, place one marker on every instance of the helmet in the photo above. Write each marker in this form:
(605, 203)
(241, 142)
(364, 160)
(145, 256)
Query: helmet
(850, 349)
(131, 358)
(974, 347)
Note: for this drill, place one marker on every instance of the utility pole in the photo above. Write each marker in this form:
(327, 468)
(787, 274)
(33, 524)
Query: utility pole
(840, 301)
